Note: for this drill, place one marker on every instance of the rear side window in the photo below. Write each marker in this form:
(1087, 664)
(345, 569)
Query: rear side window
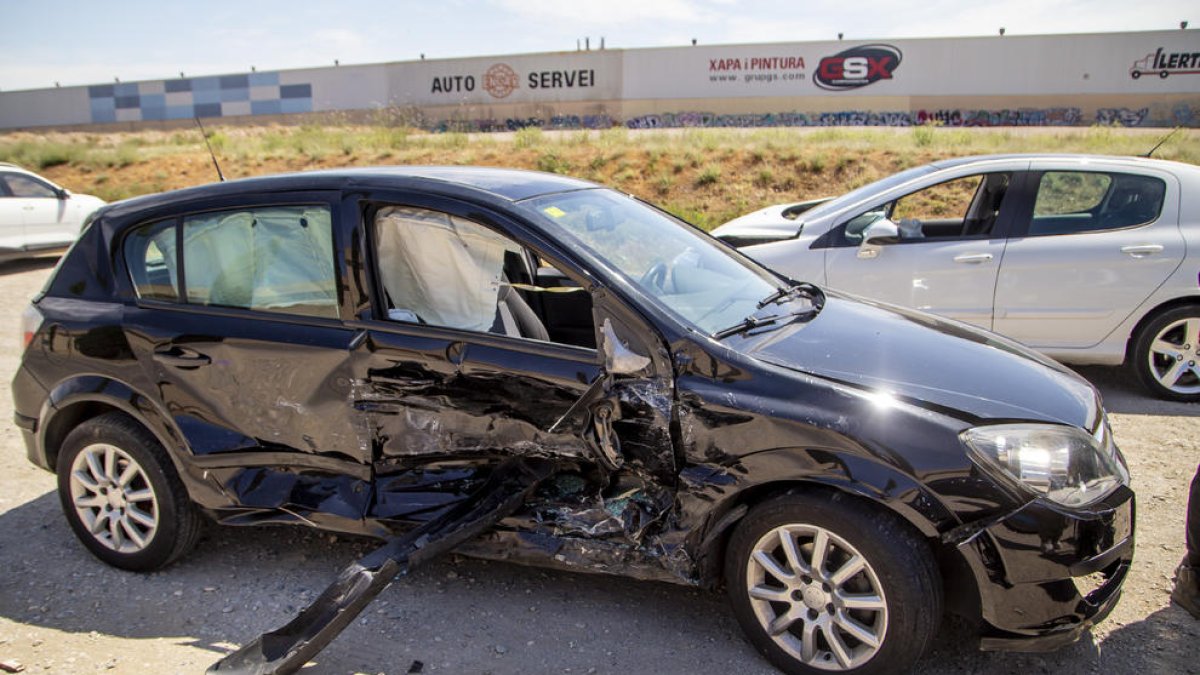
(274, 259)
(1071, 202)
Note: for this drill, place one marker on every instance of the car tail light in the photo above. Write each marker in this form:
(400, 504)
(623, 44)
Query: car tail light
(31, 321)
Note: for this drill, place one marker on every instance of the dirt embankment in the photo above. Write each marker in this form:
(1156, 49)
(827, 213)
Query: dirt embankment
(705, 176)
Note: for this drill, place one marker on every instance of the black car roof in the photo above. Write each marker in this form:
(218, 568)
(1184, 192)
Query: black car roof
(507, 184)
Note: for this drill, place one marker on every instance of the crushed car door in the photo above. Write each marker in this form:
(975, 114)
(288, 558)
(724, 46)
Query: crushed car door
(238, 326)
(456, 374)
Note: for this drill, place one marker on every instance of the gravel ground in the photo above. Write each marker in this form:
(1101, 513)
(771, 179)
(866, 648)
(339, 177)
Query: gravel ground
(63, 611)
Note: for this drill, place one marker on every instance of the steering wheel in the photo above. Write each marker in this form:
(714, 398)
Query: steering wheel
(655, 277)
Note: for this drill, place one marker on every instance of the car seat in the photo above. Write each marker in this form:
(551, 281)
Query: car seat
(517, 318)
(988, 208)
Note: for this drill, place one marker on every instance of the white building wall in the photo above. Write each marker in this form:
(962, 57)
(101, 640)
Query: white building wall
(1049, 79)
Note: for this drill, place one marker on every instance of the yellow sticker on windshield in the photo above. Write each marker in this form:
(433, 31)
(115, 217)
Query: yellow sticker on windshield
(554, 211)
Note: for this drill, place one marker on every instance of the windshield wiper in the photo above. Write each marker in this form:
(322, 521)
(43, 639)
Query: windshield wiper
(787, 293)
(749, 323)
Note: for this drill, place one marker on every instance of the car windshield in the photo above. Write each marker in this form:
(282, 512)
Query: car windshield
(854, 196)
(685, 271)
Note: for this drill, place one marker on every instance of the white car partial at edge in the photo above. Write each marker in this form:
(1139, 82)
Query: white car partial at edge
(36, 215)
(1088, 259)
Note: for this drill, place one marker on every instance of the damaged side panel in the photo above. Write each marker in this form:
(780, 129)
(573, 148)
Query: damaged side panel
(443, 414)
(421, 400)
(499, 440)
(259, 385)
(284, 494)
(622, 520)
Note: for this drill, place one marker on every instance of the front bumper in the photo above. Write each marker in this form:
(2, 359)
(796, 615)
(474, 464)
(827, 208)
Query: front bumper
(1046, 575)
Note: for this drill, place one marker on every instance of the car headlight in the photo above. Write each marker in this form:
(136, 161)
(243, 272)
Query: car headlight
(1064, 464)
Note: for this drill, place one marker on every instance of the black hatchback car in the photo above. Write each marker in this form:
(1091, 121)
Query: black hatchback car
(357, 350)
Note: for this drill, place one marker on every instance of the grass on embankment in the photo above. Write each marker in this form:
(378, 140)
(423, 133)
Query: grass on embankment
(705, 176)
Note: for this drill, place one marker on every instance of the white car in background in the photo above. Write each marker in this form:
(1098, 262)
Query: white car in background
(1090, 260)
(37, 215)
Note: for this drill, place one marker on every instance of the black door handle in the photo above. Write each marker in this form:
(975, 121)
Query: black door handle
(181, 358)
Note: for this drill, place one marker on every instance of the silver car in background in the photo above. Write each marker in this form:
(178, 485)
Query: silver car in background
(1088, 259)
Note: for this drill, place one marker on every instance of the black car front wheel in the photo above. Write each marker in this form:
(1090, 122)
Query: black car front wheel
(122, 497)
(824, 583)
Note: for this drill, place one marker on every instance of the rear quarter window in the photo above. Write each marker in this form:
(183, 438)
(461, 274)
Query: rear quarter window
(150, 256)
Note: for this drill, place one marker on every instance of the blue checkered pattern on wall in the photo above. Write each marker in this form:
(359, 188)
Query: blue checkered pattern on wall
(185, 98)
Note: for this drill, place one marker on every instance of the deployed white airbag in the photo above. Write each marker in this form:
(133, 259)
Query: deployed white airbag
(442, 268)
(277, 258)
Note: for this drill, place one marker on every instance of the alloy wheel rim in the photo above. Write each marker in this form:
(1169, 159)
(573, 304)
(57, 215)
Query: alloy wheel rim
(113, 498)
(1174, 356)
(817, 597)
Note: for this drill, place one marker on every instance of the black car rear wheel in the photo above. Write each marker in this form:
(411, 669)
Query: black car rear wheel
(823, 583)
(122, 497)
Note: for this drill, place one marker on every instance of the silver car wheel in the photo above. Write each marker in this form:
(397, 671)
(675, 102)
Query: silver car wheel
(817, 597)
(1175, 356)
(114, 498)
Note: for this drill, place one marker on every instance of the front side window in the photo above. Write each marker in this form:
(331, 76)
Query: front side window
(23, 186)
(274, 259)
(443, 270)
(1070, 202)
(956, 209)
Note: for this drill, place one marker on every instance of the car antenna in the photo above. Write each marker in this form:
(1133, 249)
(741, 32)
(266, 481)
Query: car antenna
(1164, 140)
(214, 155)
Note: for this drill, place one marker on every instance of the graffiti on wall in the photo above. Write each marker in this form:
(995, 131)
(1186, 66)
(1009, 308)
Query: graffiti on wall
(866, 118)
(1122, 116)
(1185, 116)
(554, 122)
(1015, 117)
(1181, 114)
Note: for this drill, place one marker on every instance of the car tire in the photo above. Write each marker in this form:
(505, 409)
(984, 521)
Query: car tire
(1169, 342)
(879, 619)
(122, 496)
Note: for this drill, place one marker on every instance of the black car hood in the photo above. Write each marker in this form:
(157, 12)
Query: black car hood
(927, 360)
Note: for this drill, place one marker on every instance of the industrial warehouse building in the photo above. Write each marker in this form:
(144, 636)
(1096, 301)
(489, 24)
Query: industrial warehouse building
(1132, 79)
